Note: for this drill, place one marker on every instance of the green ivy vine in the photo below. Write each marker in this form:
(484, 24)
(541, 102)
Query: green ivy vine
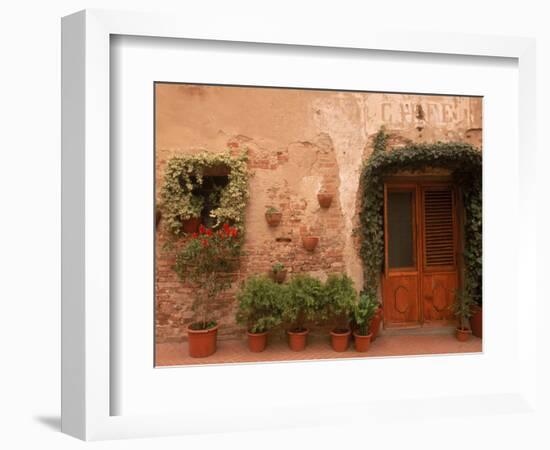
(463, 160)
(184, 174)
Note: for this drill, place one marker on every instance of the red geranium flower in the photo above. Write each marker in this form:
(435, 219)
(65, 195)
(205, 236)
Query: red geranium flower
(195, 235)
(202, 229)
(209, 232)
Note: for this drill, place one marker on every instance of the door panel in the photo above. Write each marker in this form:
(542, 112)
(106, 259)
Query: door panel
(401, 300)
(400, 214)
(438, 228)
(438, 295)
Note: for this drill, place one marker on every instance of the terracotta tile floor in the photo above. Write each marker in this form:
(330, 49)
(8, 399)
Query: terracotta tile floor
(236, 351)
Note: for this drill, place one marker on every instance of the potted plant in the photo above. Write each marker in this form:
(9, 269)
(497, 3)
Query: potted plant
(462, 309)
(301, 303)
(259, 309)
(339, 297)
(378, 314)
(190, 214)
(278, 272)
(324, 199)
(310, 242)
(363, 315)
(476, 320)
(273, 216)
(206, 261)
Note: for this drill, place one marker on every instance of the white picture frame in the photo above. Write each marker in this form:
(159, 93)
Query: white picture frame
(86, 247)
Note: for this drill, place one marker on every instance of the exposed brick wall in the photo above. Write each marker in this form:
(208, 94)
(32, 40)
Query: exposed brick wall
(298, 142)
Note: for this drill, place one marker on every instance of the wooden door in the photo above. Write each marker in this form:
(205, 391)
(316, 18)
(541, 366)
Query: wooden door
(420, 273)
(401, 276)
(439, 252)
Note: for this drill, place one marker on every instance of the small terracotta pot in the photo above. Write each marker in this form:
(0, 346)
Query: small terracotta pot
(279, 276)
(340, 340)
(297, 340)
(191, 225)
(476, 321)
(375, 324)
(202, 343)
(273, 218)
(362, 342)
(462, 335)
(324, 199)
(257, 341)
(310, 242)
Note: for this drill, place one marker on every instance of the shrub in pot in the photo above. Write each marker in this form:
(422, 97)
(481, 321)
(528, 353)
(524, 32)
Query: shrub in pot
(259, 309)
(462, 309)
(302, 302)
(476, 320)
(278, 272)
(378, 313)
(273, 216)
(206, 261)
(340, 297)
(190, 214)
(363, 314)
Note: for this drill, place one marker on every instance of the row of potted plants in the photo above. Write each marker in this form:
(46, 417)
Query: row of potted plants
(264, 305)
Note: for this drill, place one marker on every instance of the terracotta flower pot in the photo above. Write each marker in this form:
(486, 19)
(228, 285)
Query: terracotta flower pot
(324, 199)
(191, 225)
(202, 343)
(476, 322)
(375, 324)
(273, 218)
(462, 335)
(310, 242)
(362, 342)
(257, 341)
(297, 340)
(340, 340)
(279, 276)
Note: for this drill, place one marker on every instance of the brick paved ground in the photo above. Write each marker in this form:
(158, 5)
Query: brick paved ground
(236, 351)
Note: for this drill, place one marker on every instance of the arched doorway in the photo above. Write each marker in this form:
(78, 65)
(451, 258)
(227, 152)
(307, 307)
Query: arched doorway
(421, 234)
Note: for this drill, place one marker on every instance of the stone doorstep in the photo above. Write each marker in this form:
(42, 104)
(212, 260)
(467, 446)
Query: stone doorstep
(418, 330)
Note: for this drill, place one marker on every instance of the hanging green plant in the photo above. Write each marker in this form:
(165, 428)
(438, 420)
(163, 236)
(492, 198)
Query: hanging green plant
(182, 196)
(463, 160)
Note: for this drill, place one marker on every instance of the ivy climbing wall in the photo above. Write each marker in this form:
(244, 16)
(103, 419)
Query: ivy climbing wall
(298, 142)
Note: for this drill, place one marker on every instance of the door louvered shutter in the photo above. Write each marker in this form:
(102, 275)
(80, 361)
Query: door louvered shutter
(438, 228)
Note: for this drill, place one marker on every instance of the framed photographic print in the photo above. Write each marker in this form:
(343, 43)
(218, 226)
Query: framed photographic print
(251, 213)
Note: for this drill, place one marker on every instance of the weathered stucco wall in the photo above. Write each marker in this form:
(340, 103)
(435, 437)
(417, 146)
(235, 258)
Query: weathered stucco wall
(298, 141)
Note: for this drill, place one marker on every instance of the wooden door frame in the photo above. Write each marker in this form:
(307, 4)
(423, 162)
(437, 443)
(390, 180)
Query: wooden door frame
(417, 184)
